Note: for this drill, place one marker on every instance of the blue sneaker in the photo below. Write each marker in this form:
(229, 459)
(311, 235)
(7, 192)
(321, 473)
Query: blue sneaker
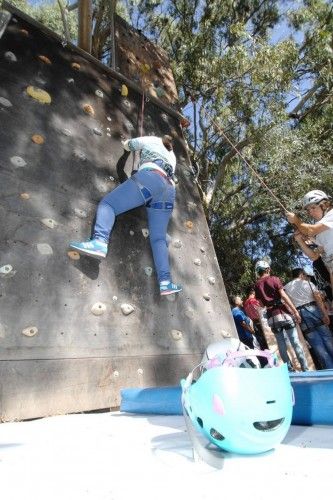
(169, 289)
(94, 248)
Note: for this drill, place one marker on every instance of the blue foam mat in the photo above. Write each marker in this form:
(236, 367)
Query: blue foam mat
(313, 399)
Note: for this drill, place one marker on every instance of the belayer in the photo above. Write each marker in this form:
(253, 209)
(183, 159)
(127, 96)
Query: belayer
(152, 186)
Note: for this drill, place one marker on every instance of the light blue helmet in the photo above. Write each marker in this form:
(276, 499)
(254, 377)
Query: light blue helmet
(238, 408)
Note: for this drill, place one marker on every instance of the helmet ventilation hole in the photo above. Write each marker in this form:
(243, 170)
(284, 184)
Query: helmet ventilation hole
(216, 435)
(200, 422)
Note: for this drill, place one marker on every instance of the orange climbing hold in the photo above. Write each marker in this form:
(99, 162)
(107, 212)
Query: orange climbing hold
(184, 122)
(73, 255)
(87, 108)
(44, 59)
(189, 224)
(38, 139)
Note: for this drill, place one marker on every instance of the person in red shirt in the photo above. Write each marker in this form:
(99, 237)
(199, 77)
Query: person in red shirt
(251, 308)
(281, 313)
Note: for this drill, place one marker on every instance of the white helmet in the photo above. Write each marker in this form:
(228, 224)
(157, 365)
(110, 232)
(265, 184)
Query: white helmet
(314, 196)
(261, 265)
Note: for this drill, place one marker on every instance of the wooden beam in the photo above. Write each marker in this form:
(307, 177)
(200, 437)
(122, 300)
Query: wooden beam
(85, 25)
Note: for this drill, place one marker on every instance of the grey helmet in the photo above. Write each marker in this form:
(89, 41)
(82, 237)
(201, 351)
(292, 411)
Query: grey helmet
(314, 196)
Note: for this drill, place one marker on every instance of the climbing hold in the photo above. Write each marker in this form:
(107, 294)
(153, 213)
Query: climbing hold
(87, 108)
(128, 125)
(145, 232)
(145, 68)
(197, 262)
(108, 134)
(189, 224)
(76, 66)
(206, 296)
(148, 271)
(7, 271)
(80, 155)
(115, 298)
(10, 56)
(177, 244)
(189, 313)
(126, 309)
(191, 205)
(80, 213)
(176, 334)
(70, 80)
(40, 95)
(24, 32)
(124, 90)
(99, 93)
(98, 309)
(30, 331)
(184, 122)
(44, 249)
(44, 59)
(164, 117)
(131, 233)
(50, 223)
(5, 102)
(211, 280)
(67, 132)
(73, 255)
(126, 103)
(112, 179)
(97, 131)
(25, 196)
(202, 250)
(17, 161)
(115, 374)
(140, 371)
(109, 119)
(38, 139)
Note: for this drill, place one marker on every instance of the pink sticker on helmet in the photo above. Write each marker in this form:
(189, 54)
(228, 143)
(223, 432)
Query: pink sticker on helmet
(218, 405)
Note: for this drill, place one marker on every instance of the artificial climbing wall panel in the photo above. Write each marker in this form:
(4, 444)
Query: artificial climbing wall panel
(74, 331)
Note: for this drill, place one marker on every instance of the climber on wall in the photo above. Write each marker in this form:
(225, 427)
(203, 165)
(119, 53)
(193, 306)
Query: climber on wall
(153, 186)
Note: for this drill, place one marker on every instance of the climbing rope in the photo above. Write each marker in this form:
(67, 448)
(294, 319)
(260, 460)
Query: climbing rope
(255, 173)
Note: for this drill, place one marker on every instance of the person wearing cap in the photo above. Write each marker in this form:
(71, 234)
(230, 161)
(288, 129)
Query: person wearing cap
(151, 186)
(319, 207)
(314, 318)
(281, 313)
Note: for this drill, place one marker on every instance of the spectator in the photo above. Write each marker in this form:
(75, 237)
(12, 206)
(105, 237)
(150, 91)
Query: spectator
(281, 313)
(252, 310)
(308, 301)
(243, 323)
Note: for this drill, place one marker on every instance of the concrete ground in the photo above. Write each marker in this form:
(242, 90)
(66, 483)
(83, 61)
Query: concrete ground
(117, 456)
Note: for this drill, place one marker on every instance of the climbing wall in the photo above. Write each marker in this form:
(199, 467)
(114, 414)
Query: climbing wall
(73, 330)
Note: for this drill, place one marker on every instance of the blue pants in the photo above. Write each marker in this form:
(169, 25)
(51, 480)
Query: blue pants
(318, 335)
(146, 187)
(289, 329)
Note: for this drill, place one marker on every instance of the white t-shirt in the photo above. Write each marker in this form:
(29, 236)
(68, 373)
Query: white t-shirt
(325, 239)
(300, 291)
(152, 148)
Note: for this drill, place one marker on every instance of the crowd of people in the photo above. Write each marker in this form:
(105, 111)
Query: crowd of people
(305, 300)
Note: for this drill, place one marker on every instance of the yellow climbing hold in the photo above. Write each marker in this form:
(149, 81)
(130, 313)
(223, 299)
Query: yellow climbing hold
(44, 59)
(124, 91)
(38, 139)
(75, 66)
(145, 68)
(73, 255)
(39, 94)
(189, 224)
(87, 108)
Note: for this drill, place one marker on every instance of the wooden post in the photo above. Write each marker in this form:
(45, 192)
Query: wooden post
(85, 25)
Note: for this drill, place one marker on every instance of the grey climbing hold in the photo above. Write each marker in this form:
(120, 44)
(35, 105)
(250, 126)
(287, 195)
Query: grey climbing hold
(108, 134)
(98, 309)
(80, 213)
(176, 334)
(5, 102)
(197, 262)
(70, 80)
(226, 334)
(126, 103)
(164, 117)
(148, 271)
(44, 249)
(10, 56)
(80, 155)
(99, 93)
(17, 161)
(191, 205)
(131, 233)
(206, 296)
(109, 119)
(140, 371)
(115, 374)
(97, 131)
(145, 232)
(189, 313)
(30, 331)
(50, 223)
(7, 271)
(202, 250)
(177, 244)
(115, 298)
(126, 309)
(211, 280)
(112, 178)
(67, 132)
